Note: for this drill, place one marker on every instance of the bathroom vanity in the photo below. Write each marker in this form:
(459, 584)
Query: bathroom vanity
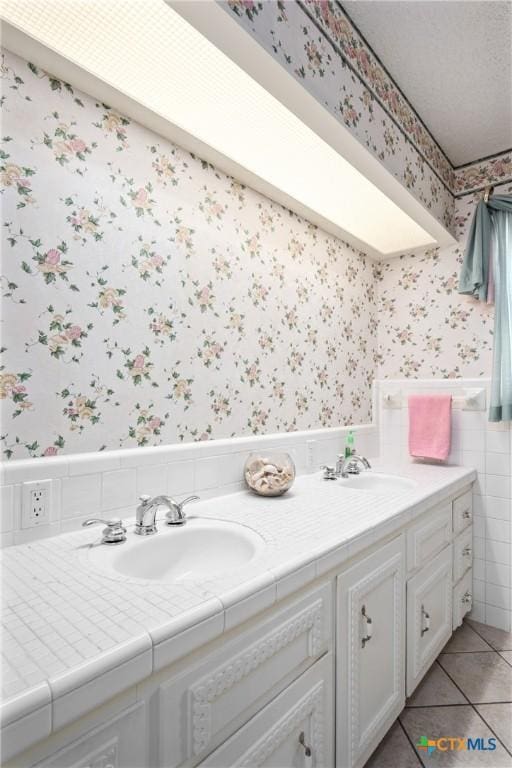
(301, 655)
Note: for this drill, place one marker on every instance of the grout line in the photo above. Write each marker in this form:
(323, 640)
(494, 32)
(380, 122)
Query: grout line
(453, 681)
(492, 729)
(452, 653)
(418, 758)
(483, 638)
(459, 704)
(474, 705)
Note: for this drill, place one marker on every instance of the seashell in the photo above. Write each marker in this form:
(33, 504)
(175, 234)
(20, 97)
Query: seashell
(270, 469)
(255, 465)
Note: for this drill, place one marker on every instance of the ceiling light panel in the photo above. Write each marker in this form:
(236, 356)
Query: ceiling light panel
(146, 50)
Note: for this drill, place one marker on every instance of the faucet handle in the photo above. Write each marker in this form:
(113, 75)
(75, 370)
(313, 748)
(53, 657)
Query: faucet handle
(176, 515)
(114, 533)
(145, 497)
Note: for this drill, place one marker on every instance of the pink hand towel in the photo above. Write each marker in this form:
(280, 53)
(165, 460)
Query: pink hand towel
(430, 426)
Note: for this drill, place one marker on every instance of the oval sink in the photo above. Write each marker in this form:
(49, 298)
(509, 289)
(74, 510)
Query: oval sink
(378, 483)
(199, 549)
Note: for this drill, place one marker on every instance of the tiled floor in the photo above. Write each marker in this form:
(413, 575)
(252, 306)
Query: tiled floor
(467, 693)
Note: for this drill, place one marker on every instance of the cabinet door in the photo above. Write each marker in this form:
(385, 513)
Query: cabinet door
(295, 730)
(202, 706)
(370, 640)
(119, 743)
(429, 615)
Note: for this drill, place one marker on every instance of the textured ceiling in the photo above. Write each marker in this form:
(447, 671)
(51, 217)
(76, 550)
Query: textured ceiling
(453, 61)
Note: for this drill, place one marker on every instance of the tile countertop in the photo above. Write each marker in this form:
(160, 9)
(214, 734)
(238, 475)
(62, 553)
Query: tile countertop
(72, 636)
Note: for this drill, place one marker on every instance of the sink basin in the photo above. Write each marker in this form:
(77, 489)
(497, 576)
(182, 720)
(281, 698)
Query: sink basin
(378, 483)
(199, 549)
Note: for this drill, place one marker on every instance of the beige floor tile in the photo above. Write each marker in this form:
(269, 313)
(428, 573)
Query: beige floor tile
(482, 677)
(435, 688)
(456, 722)
(394, 751)
(499, 718)
(507, 655)
(498, 638)
(466, 639)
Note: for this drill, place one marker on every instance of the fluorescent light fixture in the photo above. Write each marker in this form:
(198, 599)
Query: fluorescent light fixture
(147, 51)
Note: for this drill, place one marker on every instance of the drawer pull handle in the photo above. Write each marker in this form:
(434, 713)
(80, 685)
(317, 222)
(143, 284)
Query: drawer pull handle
(467, 598)
(367, 629)
(425, 620)
(467, 551)
(466, 514)
(302, 741)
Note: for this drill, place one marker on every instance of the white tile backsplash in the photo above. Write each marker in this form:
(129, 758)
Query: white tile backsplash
(109, 483)
(81, 495)
(180, 477)
(119, 489)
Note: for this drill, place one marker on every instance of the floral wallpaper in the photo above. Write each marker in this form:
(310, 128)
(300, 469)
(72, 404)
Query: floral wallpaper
(493, 170)
(426, 329)
(148, 298)
(316, 42)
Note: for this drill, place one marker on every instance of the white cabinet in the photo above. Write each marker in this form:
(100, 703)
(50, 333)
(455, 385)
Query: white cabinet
(295, 730)
(429, 615)
(119, 743)
(200, 708)
(370, 639)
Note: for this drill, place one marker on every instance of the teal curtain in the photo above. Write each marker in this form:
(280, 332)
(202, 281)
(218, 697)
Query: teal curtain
(491, 233)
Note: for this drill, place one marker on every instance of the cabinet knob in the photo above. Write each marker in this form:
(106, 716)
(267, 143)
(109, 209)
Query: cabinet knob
(467, 598)
(467, 551)
(466, 514)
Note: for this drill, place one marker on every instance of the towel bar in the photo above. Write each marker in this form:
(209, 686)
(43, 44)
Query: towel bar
(468, 400)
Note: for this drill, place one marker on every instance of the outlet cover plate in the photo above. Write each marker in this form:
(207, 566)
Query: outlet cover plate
(36, 503)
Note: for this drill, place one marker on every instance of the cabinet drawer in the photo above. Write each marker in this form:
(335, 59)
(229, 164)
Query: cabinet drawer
(120, 743)
(428, 537)
(462, 553)
(301, 717)
(462, 511)
(209, 701)
(462, 598)
(429, 615)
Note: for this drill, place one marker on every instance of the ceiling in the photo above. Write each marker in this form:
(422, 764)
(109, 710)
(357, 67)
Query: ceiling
(189, 99)
(453, 61)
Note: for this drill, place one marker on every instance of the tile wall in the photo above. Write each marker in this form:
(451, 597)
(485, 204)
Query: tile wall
(486, 447)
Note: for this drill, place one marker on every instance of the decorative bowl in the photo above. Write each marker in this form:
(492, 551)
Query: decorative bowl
(269, 474)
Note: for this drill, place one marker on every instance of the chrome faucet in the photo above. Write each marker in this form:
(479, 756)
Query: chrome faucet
(145, 519)
(345, 466)
(350, 465)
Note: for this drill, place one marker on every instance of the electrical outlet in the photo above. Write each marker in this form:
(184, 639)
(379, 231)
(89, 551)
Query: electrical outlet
(36, 503)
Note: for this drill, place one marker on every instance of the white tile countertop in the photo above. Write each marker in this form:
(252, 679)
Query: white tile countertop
(73, 636)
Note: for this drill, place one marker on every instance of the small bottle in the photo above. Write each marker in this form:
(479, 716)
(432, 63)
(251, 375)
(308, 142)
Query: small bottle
(349, 445)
